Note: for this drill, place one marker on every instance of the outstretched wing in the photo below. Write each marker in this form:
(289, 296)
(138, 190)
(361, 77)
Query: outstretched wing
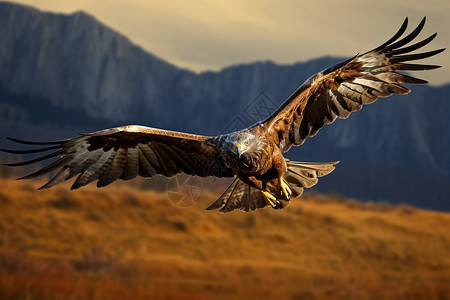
(124, 153)
(346, 87)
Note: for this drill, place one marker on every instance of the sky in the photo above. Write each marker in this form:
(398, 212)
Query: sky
(208, 35)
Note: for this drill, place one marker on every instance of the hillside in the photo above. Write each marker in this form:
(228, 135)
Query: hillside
(127, 243)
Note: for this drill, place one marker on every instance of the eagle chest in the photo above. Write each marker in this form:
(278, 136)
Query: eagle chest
(275, 170)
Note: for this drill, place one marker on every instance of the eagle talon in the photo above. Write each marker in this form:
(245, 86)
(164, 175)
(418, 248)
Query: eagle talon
(286, 191)
(270, 199)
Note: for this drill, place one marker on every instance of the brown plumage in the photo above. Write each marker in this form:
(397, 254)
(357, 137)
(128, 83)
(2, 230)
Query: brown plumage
(254, 156)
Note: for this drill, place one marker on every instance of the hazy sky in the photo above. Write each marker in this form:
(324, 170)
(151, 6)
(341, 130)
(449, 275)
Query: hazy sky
(208, 35)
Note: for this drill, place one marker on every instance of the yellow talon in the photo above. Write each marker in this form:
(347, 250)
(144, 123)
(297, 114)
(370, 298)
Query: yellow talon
(285, 189)
(269, 198)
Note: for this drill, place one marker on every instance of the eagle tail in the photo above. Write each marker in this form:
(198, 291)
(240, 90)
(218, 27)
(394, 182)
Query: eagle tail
(299, 175)
(239, 195)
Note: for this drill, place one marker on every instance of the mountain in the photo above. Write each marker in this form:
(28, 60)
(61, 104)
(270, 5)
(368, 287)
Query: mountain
(75, 63)
(65, 74)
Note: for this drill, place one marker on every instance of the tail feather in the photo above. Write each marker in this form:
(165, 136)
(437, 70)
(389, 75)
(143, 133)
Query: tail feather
(239, 195)
(299, 175)
(302, 174)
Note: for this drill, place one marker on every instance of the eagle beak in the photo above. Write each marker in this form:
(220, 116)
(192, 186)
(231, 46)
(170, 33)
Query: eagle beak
(239, 150)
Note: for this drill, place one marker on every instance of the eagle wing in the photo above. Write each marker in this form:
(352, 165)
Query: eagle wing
(124, 153)
(346, 87)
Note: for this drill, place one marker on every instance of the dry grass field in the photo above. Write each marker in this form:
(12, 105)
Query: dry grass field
(123, 242)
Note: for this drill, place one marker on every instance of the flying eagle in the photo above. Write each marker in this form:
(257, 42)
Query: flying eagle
(253, 156)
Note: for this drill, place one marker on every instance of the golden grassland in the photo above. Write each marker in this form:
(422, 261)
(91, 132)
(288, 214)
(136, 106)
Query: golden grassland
(123, 242)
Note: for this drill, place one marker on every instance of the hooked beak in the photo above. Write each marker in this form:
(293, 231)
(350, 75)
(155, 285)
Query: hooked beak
(241, 149)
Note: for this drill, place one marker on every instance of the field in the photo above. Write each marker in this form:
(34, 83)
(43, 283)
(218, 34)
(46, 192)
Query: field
(125, 242)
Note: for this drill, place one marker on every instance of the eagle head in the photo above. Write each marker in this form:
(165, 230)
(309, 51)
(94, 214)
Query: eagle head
(246, 149)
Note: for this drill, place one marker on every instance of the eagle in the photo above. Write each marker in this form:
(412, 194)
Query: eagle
(254, 155)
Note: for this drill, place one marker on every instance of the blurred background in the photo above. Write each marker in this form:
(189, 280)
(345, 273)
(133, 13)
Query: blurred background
(377, 227)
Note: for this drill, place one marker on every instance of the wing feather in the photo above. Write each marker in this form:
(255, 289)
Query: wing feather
(406, 39)
(150, 156)
(124, 153)
(348, 103)
(168, 166)
(94, 171)
(414, 46)
(344, 88)
(115, 169)
(58, 178)
(131, 165)
(49, 168)
(145, 168)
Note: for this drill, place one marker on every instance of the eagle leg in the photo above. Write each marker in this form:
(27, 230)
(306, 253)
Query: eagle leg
(286, 191)
(270, 199)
